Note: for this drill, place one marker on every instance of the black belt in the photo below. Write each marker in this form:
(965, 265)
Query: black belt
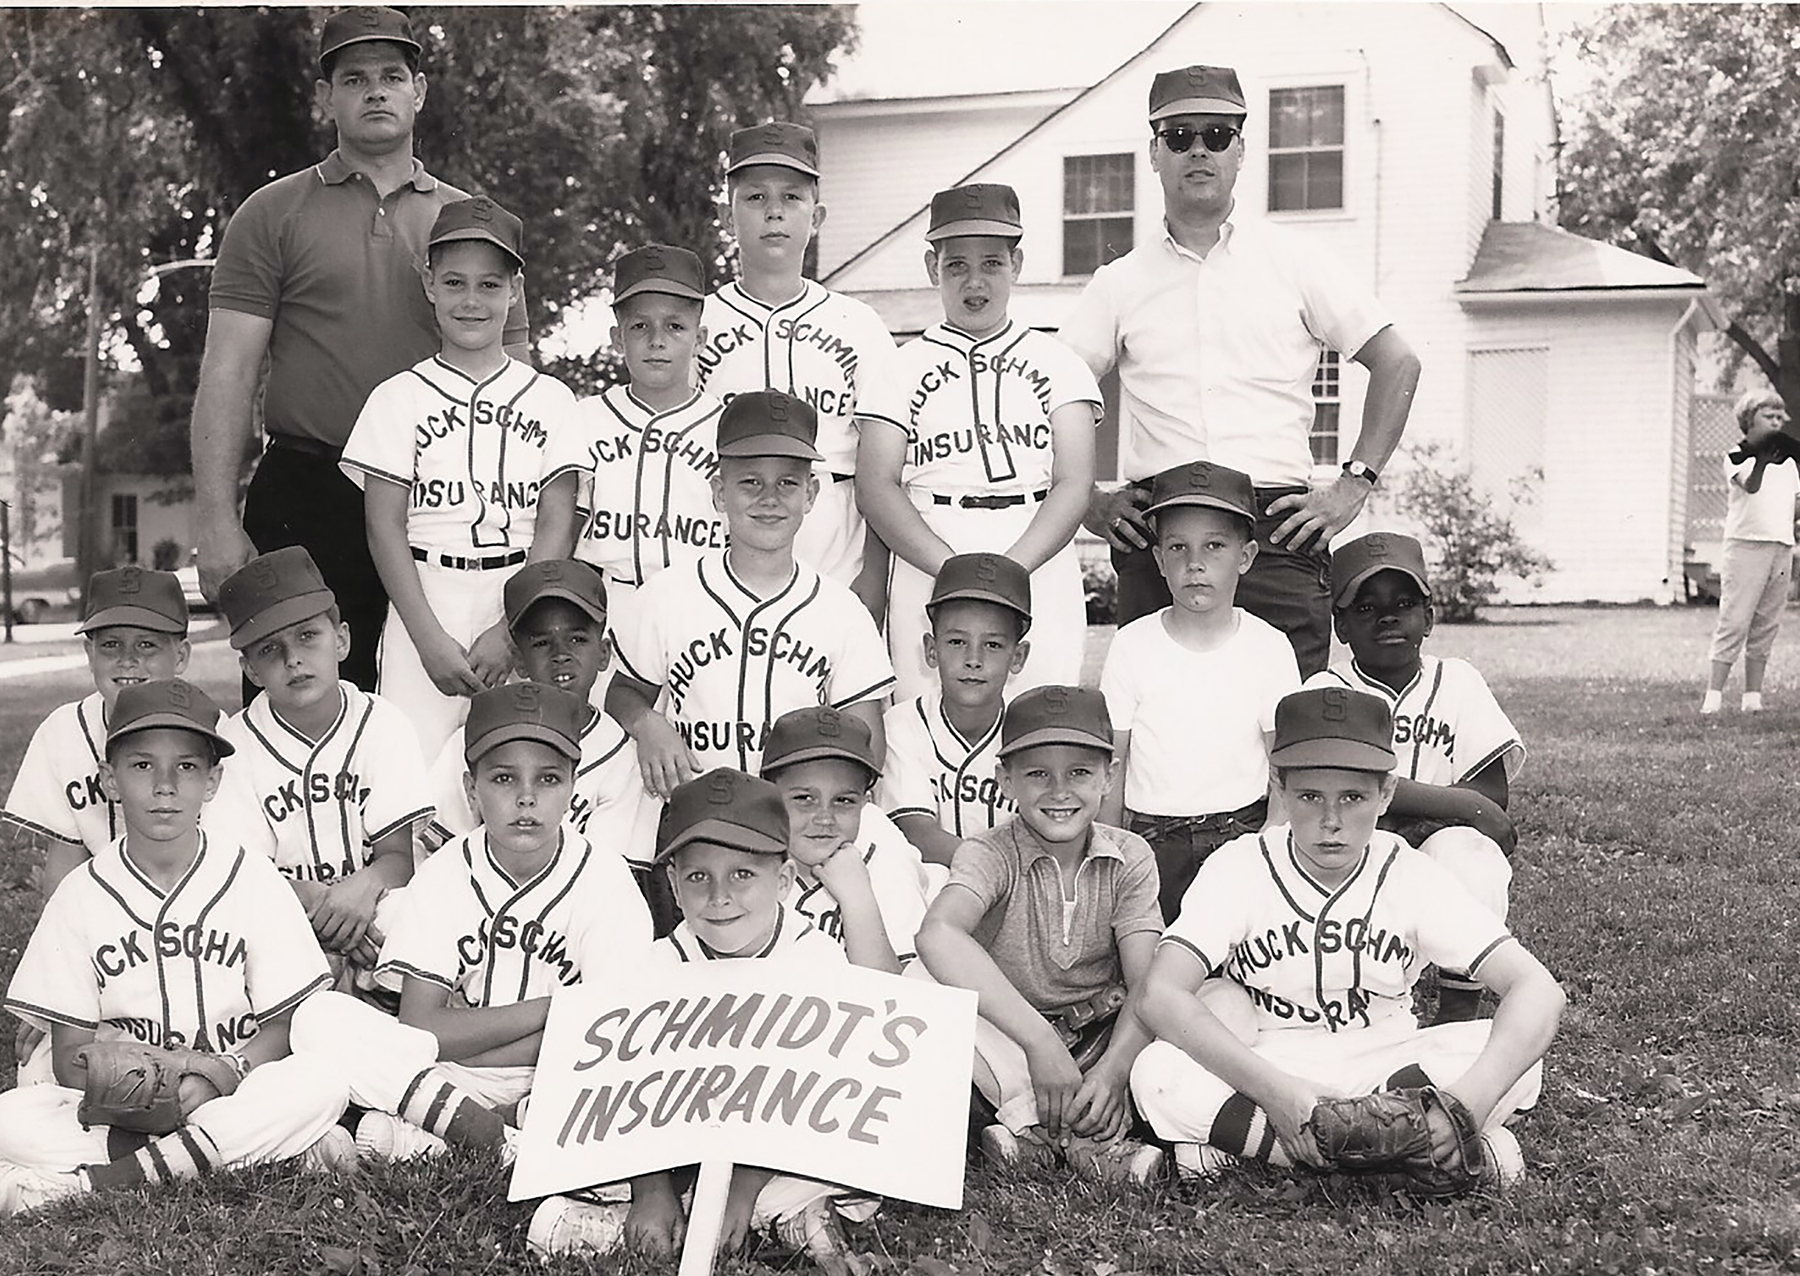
(1263, 494)
(1220, 822)
(986, 502)
(306, 447)
(512, 558)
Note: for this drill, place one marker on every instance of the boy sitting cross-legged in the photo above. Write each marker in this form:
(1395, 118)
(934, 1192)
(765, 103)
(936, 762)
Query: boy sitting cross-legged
(97, 974)
(1458, 751)
(1051, 919)
(724, 842)
(1321, 926)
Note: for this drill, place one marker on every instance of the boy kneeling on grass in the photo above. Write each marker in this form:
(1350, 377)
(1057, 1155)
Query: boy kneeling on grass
(1051, 919)
(1320, 929)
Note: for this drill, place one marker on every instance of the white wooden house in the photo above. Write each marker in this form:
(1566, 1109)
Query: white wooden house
(1417, 141)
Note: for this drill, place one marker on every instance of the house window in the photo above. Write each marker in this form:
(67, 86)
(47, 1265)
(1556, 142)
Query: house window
(1499, 161)
(124, 527)
(1097, 203)
(1325, 408)
(1306, 149)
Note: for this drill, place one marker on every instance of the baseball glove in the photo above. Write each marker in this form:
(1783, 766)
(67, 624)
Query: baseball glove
(138, 1087)
(1392, 1132)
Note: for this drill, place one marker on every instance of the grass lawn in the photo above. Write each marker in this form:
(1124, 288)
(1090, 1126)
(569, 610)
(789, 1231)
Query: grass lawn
(1657, 876)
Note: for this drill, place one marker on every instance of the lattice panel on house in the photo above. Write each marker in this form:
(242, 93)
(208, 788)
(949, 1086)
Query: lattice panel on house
(1712, 432)
(1508, 411)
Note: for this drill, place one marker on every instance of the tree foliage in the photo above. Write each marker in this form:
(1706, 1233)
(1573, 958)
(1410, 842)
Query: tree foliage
(1469, 540)
(1685, 145)
(140, 131)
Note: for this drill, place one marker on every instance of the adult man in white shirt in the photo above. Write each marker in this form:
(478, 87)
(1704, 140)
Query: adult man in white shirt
(1215, 329)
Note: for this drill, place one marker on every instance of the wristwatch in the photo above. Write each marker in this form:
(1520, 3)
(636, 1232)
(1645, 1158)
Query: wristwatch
(1356, 469)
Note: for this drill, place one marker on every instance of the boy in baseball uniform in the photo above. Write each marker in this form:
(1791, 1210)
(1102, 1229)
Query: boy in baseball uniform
(1192, 688)
(629, 488)
(856, 876)
(1047, 917)
(738, 637)
(980, 436)
(556, 611)
(1322, 925)
(1458, 751)
(724, 844)
(772, 329)
(329, 774)
(449, 454)
(174, 939)
(941, 781)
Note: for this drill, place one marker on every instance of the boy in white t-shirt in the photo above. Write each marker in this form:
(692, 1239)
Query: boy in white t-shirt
(1192, 688)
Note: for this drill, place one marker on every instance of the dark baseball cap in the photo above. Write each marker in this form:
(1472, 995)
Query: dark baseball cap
(273, 591)
(1333, 727)
(1056, 715)
(980, 208)
(806, 735)
(986, 578)
(361, 25)
(525, 711)
(135, 596)
(480, 219)
(1196, 90)
(769, 423)
(777, 142)
(659, 268)
(1204, 483)
(1355, 562)
(567, 578)
(728, 807)
(167, 702)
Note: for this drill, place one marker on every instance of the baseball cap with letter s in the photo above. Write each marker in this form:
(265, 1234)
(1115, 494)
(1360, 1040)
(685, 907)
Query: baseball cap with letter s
(779, 143)
(524, 711)
(980, 208)
(481, 219)
(167, 702)
(1355, 562)
(806, 735)
(984, 578)
(363, 24)
(662, 268)
(1196, 90)
(1056, 715)
(1333, 727)
(566, 578)
(1203, 483)
(273, 591)
(135, 596)
(769, 423)
(726, 807)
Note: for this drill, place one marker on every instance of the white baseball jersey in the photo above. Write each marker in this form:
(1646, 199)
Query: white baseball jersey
(896, 876)
(733, 661)
(816, 347)
(932, 770)
(795, 939)
(1447, 724)
(324, 803)
(609, 805)
(470, 452)
(1340, 959)
(976, 412)
(645, 498)
(1197, 718)
(197, 966)
(469, 927)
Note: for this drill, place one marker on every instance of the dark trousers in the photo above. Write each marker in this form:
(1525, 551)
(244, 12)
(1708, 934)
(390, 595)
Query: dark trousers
(1182, 843)
(1291, 591)
(298, 498)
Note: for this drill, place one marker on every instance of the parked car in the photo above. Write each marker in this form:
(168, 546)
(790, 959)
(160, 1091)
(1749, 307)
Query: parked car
(37, 592)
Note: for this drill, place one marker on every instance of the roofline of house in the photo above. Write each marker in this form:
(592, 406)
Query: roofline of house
(851, 107)
(1597, 293)
(1505, 57)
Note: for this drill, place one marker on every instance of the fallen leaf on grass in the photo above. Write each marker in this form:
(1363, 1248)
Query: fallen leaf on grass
(981, 1233)
(341, 1262)
(1106, 1269)
(1688, 1107)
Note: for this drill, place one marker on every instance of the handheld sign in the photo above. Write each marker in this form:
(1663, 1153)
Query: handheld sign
(836, 1073)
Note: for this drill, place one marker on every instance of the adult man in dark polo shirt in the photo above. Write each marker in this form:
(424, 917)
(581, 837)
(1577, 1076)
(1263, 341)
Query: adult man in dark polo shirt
(1215, 327)
(321, 271)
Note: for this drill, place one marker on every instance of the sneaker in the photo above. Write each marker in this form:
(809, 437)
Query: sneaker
(1116, 1160)
(1752, 702)
(1712, 702)
(1202, 1163)
(23, 1188)
(1002, 1147)
(1505, 1162)
(562, 1225)
(334, 1153)
(386, 1137)
(816, 1232)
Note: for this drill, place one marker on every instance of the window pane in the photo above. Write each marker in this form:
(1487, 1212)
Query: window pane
(1288, 118)
(1097, 184)
(1325, 180)
(1287, 182)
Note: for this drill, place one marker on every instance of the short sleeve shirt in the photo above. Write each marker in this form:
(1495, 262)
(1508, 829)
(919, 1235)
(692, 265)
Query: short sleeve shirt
(896, 878)
(1053, 965)
(1447, 724)
(1766, 514)
(932, 770)
(339, 271)
(1335, 958)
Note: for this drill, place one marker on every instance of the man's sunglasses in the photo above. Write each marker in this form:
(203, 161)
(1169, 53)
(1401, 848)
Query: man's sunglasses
(1216, 138)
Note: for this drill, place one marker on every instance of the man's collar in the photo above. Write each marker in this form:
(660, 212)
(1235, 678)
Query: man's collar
(1227, 232)
(333, 171)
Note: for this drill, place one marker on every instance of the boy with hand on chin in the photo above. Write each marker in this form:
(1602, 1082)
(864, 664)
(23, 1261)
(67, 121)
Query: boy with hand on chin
(1192, 688)
(724, 843)
(1332, 1016)
(1052, 917)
